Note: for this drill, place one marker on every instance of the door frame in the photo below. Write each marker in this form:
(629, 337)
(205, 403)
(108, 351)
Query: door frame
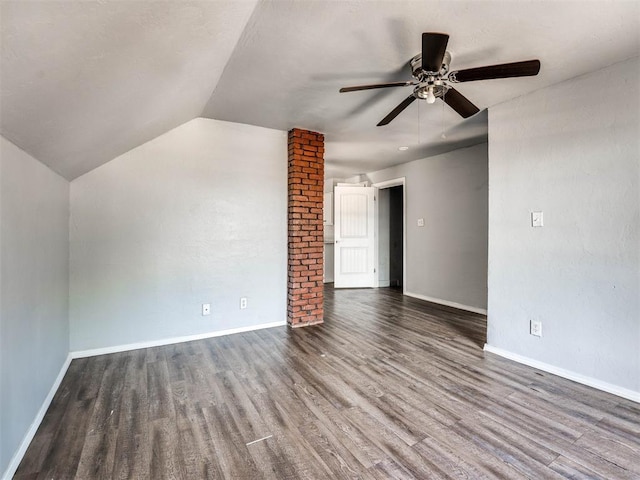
(396, 182)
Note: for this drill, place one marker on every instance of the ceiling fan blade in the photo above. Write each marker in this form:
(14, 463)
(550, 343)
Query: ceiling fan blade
(377, 85)
(460, 103)
(434, 46)
(396, 111)
(527, 68)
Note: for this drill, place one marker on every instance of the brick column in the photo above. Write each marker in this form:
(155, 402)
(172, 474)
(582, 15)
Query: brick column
(306, 230)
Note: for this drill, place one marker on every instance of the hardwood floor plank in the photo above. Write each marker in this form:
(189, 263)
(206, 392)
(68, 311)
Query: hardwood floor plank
(508, 450)
(339, 458)
(449, 462)
(197, 455)
(133, 458)
(67, 393)
(569, 469)
(390, 469)
(106, 410)
(292, 455)
(97, 458)
(64, 455)
(474, 456)
(388, 387)
(37, 452)
(234, 460)
(165, 446)
(397, 450)
(159, 390)
(622, 422)
(618, 452)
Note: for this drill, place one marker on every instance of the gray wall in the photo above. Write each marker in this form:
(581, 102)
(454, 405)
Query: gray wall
(34, 255)
(198, 215)
(447, 258)
(571, 151)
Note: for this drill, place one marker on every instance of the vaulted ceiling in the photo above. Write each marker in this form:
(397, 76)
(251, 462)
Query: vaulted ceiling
(82, 82)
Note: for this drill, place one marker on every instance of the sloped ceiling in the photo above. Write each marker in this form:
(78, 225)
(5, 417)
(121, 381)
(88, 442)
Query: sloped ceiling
(85, 81)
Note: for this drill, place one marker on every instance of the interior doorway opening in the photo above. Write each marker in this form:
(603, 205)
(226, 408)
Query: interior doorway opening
(391, 235)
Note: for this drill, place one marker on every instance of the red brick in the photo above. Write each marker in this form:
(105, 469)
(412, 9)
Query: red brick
(305, 228)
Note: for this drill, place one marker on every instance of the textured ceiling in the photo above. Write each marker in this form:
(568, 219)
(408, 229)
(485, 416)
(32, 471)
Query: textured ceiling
(85, 81)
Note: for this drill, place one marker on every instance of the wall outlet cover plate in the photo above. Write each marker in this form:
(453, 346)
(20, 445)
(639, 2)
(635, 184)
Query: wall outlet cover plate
(535, 328)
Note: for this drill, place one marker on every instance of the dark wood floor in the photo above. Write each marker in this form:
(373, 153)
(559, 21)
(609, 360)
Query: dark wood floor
(388, 387)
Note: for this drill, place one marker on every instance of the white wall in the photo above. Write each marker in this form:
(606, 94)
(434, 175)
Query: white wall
(571, 151)
(447, 258)
(34, 288)
(198, 215)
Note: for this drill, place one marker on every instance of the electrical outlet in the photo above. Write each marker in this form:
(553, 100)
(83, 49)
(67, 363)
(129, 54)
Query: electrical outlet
(421, 222)
(535, 328)
(243, 303)
(206, 309)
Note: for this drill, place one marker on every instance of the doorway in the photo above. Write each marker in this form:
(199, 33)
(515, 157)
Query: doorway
(391, 245)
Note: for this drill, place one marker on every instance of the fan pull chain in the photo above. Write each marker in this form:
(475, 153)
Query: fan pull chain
(419, 123)
(443, 136)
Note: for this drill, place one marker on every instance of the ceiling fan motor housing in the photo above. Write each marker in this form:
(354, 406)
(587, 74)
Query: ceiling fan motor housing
(430, 81)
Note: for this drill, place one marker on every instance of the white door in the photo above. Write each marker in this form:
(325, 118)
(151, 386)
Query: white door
(354, 231)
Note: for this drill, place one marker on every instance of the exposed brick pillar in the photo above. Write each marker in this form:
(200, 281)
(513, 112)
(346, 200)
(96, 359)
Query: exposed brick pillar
(306, 231)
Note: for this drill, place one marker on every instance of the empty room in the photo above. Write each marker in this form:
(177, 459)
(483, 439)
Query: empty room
(318, 239)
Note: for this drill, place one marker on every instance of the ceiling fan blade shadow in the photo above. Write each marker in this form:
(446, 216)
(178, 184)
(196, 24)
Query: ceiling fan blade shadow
(399, 35)
(429, 149)
(460, 103)
(476, 123)
(528, 68)
(384, 75)
(434, 46)
(370, 99)
(396, 111)
(376, 85)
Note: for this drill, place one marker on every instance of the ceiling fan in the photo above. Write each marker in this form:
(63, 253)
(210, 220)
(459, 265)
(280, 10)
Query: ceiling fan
(432, 78)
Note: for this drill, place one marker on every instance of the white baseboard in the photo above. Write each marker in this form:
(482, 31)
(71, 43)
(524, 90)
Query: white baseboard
(169, 341)
(447, 303)
(568, 374)
(26, 441)
(384, 283)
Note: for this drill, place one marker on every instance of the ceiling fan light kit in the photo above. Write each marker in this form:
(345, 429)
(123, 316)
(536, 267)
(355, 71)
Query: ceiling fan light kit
(432, 78)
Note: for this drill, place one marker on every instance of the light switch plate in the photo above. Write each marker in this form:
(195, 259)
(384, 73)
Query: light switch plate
(537, 219)
(421, 222)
